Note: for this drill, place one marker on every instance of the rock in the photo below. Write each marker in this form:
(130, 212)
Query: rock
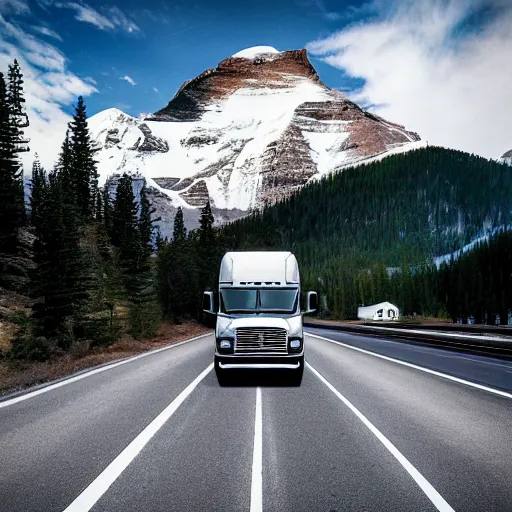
(183, 184)
(231, 74)
(506, 158)
(287, 165)
(152, 143)
(112, 137)
(166, 183)
(197, 194)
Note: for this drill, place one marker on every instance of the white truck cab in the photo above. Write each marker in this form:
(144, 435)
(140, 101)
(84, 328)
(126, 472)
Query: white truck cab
(259, 319)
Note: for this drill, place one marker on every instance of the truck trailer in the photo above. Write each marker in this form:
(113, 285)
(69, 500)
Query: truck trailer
(259, 317)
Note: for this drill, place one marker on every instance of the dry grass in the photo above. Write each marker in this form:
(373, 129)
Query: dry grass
(15, 377)
(7, 332)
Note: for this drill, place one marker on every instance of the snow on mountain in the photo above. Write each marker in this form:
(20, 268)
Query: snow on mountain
(255, 51)
(506, 158)
(484, 237)
(246, 133)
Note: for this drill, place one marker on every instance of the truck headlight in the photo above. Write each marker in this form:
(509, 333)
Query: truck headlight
(225, 344)
(295, 344)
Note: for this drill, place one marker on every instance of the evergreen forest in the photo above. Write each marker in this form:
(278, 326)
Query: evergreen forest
(93, 263)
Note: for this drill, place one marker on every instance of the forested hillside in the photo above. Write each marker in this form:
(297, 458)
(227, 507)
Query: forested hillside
(77, 264)
(369, 233)
(88, 263)
(429, 201)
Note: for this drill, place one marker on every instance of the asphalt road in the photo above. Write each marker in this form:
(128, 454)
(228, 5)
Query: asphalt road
(403, 430)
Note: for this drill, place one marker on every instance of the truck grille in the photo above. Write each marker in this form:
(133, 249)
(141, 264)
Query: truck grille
(261, 340)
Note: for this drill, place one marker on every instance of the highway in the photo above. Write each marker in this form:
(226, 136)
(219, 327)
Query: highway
(377, 425)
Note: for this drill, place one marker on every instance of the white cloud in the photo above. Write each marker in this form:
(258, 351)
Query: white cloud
(47, 32)
(128, 79)
(427, 66)
(88, 15)
(114, 18)
(14, 6)
(49, 88)
(156, 90)
(119, 19)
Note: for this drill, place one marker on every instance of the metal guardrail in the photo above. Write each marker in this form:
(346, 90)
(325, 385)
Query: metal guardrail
(482, 345)
(460, 328)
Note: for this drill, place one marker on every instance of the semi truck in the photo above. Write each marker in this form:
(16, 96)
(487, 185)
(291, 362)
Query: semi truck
(258, 314)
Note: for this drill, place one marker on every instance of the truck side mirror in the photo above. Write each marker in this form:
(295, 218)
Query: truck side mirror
(208, 302)
(311, 303)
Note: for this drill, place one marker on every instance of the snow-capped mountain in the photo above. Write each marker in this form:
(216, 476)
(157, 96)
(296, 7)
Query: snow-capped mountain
(506, 158)
(258, 126)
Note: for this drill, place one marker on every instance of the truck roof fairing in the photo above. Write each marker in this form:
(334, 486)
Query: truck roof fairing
(265, 268)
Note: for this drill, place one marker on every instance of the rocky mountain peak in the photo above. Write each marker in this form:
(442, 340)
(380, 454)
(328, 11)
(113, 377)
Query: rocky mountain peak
(246, 133)
(269, 68)
(266, 68)
(506, 158)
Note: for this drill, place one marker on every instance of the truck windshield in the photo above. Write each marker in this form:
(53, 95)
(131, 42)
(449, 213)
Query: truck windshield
(258, 301)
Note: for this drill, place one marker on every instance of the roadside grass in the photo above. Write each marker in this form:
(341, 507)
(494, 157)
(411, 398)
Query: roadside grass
(7, 332)
(19, 375)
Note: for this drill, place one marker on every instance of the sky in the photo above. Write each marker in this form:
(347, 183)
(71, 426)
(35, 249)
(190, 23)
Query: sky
(442, 68)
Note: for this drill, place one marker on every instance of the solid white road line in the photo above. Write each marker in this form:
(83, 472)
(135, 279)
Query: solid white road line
(416, 367)
(51, 387)
(101, 484)
(425, 486)
(257, 458)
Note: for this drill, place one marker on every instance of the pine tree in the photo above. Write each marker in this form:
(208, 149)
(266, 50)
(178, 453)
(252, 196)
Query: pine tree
(99, 207)
(18, 115)
(206, 252)
(85, 174)
(160, 241)
(18, 120)
(64, 169)
(60, 279)
(146, 221)
(7, 176)
(124, 213)
(107, 209)
(134, 259)
(179, 231)
(38, 189)
(206, 233)
(12, 207)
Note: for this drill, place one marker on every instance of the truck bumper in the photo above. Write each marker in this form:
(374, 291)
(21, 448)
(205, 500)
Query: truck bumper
(237, 362)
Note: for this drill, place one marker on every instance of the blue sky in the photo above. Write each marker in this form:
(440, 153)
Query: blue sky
(439, 67)
(157, 45)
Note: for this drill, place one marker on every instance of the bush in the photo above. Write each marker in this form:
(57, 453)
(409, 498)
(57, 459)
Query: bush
(144, 320)
(27, 347)
(103, 331)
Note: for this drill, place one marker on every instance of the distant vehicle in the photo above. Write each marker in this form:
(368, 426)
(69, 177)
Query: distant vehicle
(383, 311)
(259, 318)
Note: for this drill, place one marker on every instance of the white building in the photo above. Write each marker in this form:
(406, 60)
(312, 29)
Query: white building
(382, 311)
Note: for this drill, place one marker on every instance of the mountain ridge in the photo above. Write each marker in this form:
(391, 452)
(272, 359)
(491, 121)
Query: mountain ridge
(244, 134)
